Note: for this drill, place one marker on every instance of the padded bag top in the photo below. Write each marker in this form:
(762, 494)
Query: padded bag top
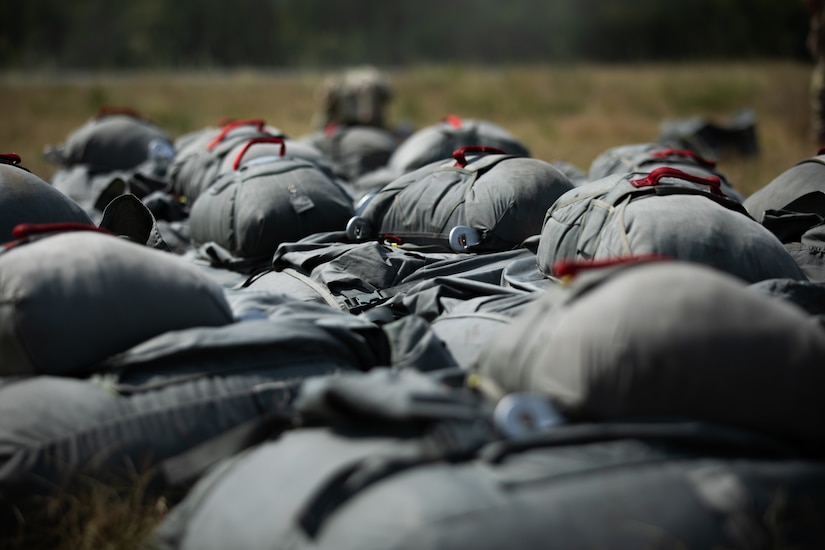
(354, 150)
(643, 158)
(669, 340)
(25, 198)
(437, 142)
(70, 300)
(116, 139)
(488, 202)
(262, 203)
(667, 212)
(199, 157)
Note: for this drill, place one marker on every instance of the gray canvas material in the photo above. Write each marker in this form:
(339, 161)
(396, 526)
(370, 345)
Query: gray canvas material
(807, 176)
(166, 396)
(669, 339)
(802, 232)
(322, 269)
(501, 196)
(26, 198)
(64, 436)
(270, 333)
(610, 218)
(593, 495)
(252, 210)
(73, 299)
(358, 486)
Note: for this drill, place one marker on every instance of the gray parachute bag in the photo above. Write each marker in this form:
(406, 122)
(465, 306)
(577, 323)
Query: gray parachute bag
(407, 465)
(668, 340)
(171, 406)
(118, 144)
(27, 199)
(72, 298)
(485, 200)
(437, 142)
(266, 202)
(667, 212)
(115, 139)
(354, 150)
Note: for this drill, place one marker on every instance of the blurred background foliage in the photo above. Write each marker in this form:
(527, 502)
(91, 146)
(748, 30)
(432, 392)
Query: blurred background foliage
(102, 34)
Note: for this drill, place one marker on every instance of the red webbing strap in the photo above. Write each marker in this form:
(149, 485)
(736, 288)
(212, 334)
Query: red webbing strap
(257, 122)
(654, 177)
(10, 158)
(25, 230)
(687, 153)
(570, 268)
(22, 232)
(460, 154)
(253, 141)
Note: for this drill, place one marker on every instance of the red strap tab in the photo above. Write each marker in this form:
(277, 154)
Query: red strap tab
(10, 158)
(25, 230)
(571, 268)
(460, 154)
(453, 120)
(257, 122)
(687, 153)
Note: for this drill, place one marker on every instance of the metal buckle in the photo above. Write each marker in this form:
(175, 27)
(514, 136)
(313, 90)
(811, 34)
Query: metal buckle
(358, 229)
(356, 302)
(462, 238)
(523, 415)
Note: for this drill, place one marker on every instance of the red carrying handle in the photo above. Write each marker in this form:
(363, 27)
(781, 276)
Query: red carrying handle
(687, 153)
(460, 155)
(107, 110)
(453, 120)
(23, 231)
(10, 158)
(653, 178)
(571, 268)
(257, 122)
(253, 141)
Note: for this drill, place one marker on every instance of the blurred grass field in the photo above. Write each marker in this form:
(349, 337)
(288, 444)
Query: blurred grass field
(568, 113)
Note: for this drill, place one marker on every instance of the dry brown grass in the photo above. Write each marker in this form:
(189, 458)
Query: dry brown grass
(569, 113)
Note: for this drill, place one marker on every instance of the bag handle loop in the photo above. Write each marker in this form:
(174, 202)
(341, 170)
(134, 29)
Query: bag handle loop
(654, 177)
(253, 141)
(259, 123)
(687, 153)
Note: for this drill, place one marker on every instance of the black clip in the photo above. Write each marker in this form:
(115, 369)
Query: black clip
(356, 303)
